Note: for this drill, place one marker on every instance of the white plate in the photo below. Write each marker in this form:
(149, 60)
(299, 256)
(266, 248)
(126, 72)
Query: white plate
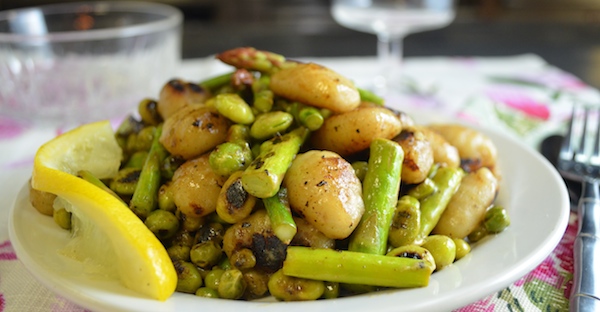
(531, 190)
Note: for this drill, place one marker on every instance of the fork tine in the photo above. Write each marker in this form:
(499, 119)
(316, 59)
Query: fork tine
(566, 150)
(580, 152)
(595, 157)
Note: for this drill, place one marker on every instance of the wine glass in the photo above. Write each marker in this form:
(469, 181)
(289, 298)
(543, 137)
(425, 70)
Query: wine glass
(391, 21)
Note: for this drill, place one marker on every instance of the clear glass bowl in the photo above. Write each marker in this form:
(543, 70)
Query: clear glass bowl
(80, 62)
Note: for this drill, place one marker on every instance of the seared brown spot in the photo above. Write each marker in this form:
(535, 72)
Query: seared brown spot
(132, 176)
(269, 252)
(177, 85)
(236, 196)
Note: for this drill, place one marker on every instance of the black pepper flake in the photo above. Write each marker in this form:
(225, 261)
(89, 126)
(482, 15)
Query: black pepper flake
(322, 183)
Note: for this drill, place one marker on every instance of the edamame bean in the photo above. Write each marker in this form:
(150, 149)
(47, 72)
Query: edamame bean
(423, 189)
(232, 106)
(125, 181)
(136, 160)
(406, 222)
(230, 157)
(268, 124)
(442, 248)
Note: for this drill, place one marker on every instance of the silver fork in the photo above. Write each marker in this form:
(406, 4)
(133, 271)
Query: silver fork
(579, 159)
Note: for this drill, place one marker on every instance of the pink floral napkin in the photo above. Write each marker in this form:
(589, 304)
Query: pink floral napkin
(522, 95)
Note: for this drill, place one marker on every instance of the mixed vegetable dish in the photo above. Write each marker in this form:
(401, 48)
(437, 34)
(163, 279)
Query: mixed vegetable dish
(283, 178)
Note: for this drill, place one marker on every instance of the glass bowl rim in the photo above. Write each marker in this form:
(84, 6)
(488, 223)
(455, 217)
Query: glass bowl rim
(170, 17)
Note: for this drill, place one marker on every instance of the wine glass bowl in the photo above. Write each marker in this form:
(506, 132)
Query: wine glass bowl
(391, 21)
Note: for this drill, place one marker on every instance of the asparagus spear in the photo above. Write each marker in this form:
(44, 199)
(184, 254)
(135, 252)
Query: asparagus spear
(280, 215)
(447, 181)
(145, 196)
(88, 176)
(380, 193)
(252, 59)
(264, 175)
(368, 96)
(356, 267)
(216, 82)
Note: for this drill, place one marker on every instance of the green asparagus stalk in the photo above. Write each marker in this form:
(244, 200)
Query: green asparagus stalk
(145, 196)
(368, 96)
(356, 267)
(88, 176)
(447, 181)
(264, 175)
(252, 59)
(380, 193)
(280, 215)
(216, 82)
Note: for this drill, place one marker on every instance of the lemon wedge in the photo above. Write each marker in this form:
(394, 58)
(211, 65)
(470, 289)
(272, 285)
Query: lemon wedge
(107, 233)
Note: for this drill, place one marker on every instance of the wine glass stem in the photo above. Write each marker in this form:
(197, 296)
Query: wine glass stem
(389, 54)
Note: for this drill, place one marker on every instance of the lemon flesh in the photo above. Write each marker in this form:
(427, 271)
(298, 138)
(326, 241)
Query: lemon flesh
(139, 259)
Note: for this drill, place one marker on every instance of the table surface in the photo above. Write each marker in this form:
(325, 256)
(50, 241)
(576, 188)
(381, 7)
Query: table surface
(530, 99)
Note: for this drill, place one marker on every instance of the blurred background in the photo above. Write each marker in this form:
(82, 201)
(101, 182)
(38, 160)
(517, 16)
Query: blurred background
(566, 33)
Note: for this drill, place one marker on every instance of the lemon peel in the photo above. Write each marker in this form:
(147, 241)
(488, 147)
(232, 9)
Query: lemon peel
(142, 262)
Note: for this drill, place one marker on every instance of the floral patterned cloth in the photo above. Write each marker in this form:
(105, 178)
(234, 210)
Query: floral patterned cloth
(521, 95)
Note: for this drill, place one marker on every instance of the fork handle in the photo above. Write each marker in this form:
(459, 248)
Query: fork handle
(585, 295)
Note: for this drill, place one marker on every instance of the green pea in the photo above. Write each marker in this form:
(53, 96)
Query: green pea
(162, 223)
(188, 277)
(239, 134)
(165, 198)
(496, 219)
(63, 218)
(462, 247)
(243, 259)
(191, 223)
(478, 234)
(179, 252)
(232, 284)
(141, 141)
(332, 290)
(442, 249)
(207, 292)
(213, 278)
(311, 118)
(169, 165)
(148, 110)
(183, 238)
(256, 283)
(360, 169)
(206, 254)
(288, 288)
